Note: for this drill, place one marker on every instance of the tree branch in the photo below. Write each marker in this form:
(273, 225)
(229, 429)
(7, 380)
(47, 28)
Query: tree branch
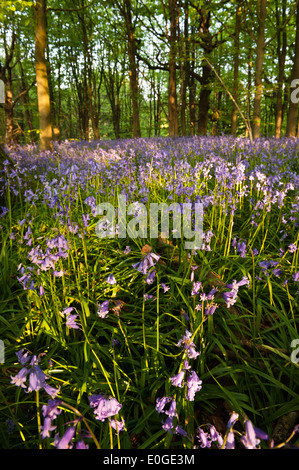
(72, 9)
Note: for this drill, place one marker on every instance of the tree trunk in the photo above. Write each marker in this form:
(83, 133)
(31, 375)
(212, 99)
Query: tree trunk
(281, 53)
(293, 107)
(192, 96)
(132, 53)
(207, 45)
(261, 15)
(9, 117)
(42, 77)
(28, 111)
(236, 67)
(172, 94)
(204, 101)
(186, 70)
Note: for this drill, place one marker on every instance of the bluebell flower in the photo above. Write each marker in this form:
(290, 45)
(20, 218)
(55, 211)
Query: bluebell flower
(21, 377)
(232, 419)
(292, 248)
(117, 425)
(250, 440)
(167, 425)
(104, 406)
(172, 409)
(195, 288)
(103, 309)
(161, 402)
(111, 279)
(65, 441)
(71, 321)
(81, 444)
(203, 438)
(193, 385)
(177, 380)
(230, 440)
(150, 277)
(47, 427)
(164, 287)
(37, 378)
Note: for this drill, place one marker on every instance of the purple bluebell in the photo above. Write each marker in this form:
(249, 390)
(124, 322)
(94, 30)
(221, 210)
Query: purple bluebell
(104, 406)
(203, 438)
(21, 377)
(103, 309)
(171, 411)
(65, 441)
(47, 427)
(117, 425)
(164, 287)
(150, 277)
(71, 321)
(167, 425)
(161, 403)
(195, 288)
(181, 431)
(250, 440)
(230, 440)
(111, 279)
(193, 385)
(81, 444)
(177, 380)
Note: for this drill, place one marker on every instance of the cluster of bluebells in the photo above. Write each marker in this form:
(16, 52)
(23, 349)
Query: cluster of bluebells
(147, 266)
(70, 318)
(107, 407)
(50, 413)
(186, 376)
(207, 300)
(167, 406)
(37, 378)
(231, 296)
(212, 438)
(57, 249)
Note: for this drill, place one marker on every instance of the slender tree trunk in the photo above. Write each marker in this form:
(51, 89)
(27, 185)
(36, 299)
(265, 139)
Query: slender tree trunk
(192, 97)
(186, 70)
(293, 106)
(236, 66)
(261, 14)
(9, 115)
(281, 53)
(132, 53)
(204, 101)
(205, 90)
(42, 77)
(172, 94)
(28, 111)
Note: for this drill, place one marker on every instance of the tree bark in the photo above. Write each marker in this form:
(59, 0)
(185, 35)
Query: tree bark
(186, 70)
(261, 15)
(172, 94)
(207, 45)
(236, 67)
(133, 72)
(43, 96)
(281, 53)
(293, 106)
